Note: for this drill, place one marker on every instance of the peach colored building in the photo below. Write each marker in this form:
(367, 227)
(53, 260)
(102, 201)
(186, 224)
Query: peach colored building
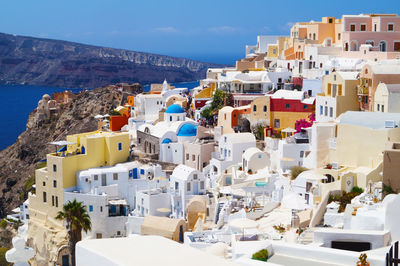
(370, 77)
(381, 31)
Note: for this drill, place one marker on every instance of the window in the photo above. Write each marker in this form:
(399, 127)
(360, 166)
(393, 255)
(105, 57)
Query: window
(363, 27)
(194, 176)
(139, 140)
(118, 233)
(340, 89)
(193, 157)
(90, 208)
(52, 200)
(305, 106)
(54, 168)
(56, 202)
(54, 183)
(225, 139)
(170, 118)
(187, 156)
(142, 171)
(225, 116)
(334, 77)
(96, 177)
(254, 108)
(374, 27)
(44, 183)
(352, 27)
(277, 123)
(301, 154)
(201, 184)
(378, 106)
(259, 156)
(331, 111)
(287, 106)
(314, 38)
(390, 27)
(383, 108)
(265, 108)
(396, 46)
(338, 36)
(176, 185)
(98, 236)
(120, 146)
(101, 208)
(44, 196)
(321, 110)
(326, 110)
(115, 176)
(188, 186)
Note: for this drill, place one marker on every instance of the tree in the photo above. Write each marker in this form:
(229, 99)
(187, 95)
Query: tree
(77, 219)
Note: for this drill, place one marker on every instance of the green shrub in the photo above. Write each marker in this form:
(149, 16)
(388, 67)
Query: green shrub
(41, 164)
(296, 170)
(357, 190)
(261, 255)
(387, 189)
(29, 183)
(3, 223)
(3, 260)
(344, 199)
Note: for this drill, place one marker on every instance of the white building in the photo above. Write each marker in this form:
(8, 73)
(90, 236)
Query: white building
(185, 183)
(231, 147)
(387, 98)
(110, 194)
(254, 159)
(262, 45)
(147, 107)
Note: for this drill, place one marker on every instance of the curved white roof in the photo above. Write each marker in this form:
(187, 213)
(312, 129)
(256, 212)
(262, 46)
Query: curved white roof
(183, 171)
(250, 152)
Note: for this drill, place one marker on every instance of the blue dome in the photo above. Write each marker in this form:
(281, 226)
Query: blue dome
(174, 109)
(187, 130)
(166, 141)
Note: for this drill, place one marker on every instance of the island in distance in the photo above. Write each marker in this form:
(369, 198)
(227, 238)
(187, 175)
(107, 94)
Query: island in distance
(45, 62)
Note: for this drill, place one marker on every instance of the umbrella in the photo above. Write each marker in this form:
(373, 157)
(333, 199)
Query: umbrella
(294, 201)
(289, 130)
(287, 159)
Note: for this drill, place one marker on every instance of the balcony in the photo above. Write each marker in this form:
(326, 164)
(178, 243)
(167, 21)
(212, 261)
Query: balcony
(362, 90)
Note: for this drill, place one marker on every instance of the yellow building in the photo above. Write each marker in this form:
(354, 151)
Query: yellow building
(339, 95)
(260, 110)
(86, 150)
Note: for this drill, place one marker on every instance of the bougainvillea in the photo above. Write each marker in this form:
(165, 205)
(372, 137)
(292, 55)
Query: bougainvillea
(303, 123)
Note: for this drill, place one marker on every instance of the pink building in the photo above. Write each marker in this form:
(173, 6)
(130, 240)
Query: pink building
(381, 31)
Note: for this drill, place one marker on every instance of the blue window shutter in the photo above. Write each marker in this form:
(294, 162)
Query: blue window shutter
(142, 171)
(134, 173)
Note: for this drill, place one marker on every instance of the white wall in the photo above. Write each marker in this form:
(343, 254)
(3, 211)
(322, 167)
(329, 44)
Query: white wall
(326, 103)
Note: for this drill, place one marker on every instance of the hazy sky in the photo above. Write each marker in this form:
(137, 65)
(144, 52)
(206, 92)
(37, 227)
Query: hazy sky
(208, 30)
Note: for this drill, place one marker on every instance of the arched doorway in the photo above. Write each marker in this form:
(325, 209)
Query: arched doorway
(382, 46)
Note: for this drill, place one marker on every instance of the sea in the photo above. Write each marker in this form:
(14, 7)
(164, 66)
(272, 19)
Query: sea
(18, 101)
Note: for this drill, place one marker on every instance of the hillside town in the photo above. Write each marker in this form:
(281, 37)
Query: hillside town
(290, 157)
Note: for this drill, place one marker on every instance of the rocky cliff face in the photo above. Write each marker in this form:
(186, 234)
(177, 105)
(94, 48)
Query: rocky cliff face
(44, 62)
(18, 161)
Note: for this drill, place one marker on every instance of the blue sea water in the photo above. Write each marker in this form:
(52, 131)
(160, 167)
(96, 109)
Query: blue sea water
(18, 101)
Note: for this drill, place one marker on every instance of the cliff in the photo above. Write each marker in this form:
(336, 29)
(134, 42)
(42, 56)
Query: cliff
(45, 62)
(18, 161)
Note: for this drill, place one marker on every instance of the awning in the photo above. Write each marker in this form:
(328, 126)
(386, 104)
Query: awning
(118, 202)
(61, 143)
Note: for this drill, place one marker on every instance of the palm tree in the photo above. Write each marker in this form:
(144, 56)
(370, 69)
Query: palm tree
(77, 219)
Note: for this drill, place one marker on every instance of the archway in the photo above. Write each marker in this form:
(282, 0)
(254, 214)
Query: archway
(382, 46)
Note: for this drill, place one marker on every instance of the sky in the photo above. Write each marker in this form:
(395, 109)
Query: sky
(207, 30)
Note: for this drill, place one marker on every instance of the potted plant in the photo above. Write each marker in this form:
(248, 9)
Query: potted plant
(240, 168)
(362, 260)
(250, 172)
(280, 228)
(261, 255)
